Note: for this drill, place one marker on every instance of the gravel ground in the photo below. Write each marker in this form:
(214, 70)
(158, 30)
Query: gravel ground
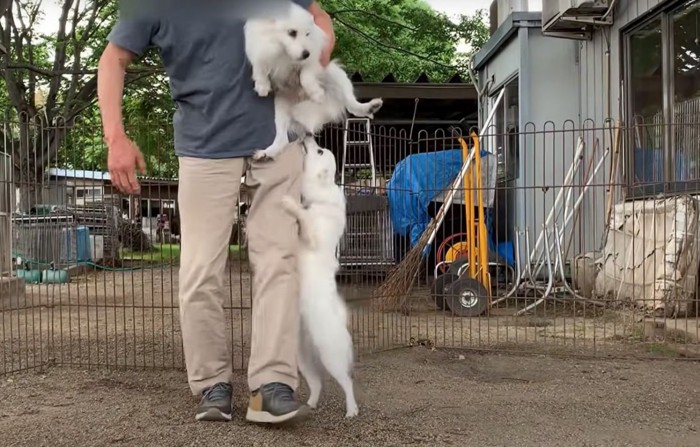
(411, 396)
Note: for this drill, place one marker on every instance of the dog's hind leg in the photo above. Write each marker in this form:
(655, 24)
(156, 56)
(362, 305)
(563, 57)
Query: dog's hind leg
(338, 362)
(309, 368)
(359, 109)
(367, 109)
(282, 123)
(311, 116)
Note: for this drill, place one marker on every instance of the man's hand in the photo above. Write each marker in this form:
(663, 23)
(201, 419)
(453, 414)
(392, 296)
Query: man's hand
(326, 54)
(123, 160)
(324, 21)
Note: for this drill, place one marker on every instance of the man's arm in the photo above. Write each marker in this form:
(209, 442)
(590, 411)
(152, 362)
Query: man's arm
(324, 21)
(110, 89)
(128, 39)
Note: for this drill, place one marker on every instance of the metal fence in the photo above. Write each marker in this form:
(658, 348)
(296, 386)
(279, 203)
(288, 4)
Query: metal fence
(6, 207)
(558, 257)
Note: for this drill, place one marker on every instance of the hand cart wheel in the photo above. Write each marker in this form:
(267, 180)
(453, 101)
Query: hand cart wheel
(440, 287)
(467, 297)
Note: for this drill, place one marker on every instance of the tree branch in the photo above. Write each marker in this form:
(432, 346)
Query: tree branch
(79, 72)
(59, 61)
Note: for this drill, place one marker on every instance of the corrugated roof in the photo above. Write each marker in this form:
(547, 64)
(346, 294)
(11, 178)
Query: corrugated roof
(99, 175)
(422, 78)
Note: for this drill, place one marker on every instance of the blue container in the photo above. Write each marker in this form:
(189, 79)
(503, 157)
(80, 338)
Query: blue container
(29, 276)
(82, 242)
(55, 277)
(75, 245)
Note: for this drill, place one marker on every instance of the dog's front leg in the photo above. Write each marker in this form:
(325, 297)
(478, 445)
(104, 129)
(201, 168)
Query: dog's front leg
(306, 232)
(261, 78)
(310, 81)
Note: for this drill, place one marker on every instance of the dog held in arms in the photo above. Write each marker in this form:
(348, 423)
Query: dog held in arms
(325, 341)
(285, 54)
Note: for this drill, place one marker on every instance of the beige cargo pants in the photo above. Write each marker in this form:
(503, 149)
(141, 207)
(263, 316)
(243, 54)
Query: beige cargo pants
(208, 193)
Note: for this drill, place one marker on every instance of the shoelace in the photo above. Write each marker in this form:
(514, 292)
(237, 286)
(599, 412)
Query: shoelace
(219, 391)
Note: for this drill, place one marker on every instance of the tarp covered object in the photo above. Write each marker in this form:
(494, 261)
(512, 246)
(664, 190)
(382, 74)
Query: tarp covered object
(416, 180)
(650, 256)
(421, 178)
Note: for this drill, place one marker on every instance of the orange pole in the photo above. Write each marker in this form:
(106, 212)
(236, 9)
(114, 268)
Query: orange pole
(469, 211)
(483, 234)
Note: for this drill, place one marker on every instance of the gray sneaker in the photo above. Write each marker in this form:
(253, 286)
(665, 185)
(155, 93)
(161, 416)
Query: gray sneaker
(215, 404)
(274, 403)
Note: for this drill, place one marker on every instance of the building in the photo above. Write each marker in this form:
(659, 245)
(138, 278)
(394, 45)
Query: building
(576, 68)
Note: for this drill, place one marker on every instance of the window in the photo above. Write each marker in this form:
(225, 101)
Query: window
(663, 91)
(507, 123)
(89, 193)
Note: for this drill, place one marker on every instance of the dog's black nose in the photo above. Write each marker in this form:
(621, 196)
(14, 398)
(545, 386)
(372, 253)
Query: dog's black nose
(305, 54)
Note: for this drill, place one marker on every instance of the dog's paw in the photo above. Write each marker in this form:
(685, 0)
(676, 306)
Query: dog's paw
(312, 403)
(289, 204)
(311, 242)
(262, 88)
(352, 411)
(317, 95)
(260, 154)
(374, 106)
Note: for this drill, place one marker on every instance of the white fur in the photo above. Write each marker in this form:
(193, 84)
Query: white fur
(285, 56)
(325, 341)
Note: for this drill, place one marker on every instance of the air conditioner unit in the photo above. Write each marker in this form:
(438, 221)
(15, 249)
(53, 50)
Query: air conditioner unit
(575, 19)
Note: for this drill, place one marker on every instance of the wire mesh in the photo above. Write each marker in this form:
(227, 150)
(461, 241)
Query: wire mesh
(579, 259)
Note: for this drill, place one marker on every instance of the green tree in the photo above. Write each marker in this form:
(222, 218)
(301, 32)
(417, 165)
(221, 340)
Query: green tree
(402, 37)
(50, 81)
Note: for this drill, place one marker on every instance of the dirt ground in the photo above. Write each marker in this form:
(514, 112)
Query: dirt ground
(413, 396)
(119, 332)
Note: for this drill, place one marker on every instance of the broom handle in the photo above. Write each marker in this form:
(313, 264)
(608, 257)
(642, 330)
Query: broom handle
(449, 198)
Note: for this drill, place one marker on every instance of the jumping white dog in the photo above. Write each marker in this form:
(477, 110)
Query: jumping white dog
(285, 57)
(325, 341)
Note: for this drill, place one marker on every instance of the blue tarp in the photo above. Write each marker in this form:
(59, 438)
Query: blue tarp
(649, 166)
(416, 180)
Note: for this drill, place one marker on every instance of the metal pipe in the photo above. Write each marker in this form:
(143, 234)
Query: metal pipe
(455, 184)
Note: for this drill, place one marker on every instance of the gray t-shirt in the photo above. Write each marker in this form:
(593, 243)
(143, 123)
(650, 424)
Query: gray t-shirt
(219, 114)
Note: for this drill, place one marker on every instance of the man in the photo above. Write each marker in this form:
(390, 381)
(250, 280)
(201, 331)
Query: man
(220, 121)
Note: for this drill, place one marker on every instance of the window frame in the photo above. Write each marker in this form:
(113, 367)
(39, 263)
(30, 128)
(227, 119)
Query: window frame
(511, 169)
(668, 185)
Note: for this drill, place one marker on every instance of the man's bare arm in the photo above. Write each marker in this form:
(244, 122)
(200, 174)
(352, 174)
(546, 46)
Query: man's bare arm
(111, 72)
(123, 157)
(324, 21)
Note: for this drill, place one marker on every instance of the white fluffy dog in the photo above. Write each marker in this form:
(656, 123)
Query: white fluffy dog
(325, 341)
(285, 57)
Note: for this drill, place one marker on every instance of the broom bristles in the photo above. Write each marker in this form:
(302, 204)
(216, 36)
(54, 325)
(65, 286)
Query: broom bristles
(392, 294)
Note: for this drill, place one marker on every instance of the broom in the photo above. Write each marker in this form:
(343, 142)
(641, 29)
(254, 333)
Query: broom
(393, 292)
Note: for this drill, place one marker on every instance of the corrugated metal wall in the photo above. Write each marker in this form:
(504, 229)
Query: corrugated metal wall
(602, 96)
(601, 68)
